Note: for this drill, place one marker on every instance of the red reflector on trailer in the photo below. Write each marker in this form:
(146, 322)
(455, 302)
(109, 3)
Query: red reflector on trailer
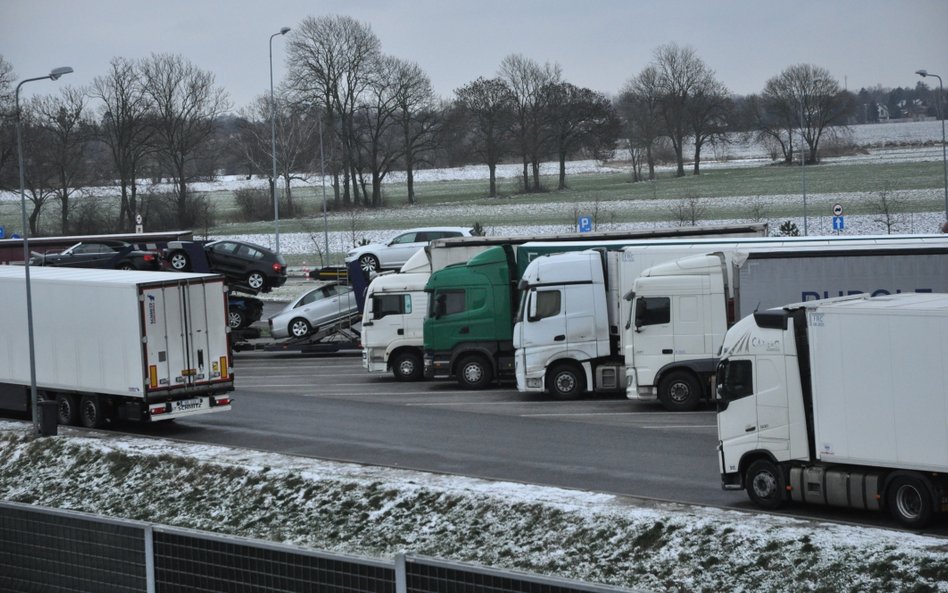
(155, 410)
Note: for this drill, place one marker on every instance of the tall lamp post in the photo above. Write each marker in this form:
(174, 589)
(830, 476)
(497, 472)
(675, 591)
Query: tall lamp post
(276, 199)
(941, 116)
(34, 398)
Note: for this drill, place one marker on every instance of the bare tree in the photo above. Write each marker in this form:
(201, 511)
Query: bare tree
(489, 106)
(330, 60)
(7, 123)
(295, 130)
(529, 82)
(638, 102)
(186, 102)
(688, 211)
(580, 119)
(39, 174)
(379, 139)
(708, 112)
(680, 74)
(126, 129)
(67, 135)
(888, 209)
(806, 98)
(417, 116)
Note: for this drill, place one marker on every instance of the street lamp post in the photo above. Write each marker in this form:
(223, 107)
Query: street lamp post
(34, 397)
(941, 116)
(276, 199)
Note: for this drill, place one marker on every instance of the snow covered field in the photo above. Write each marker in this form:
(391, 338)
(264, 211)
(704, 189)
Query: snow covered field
(378, 512)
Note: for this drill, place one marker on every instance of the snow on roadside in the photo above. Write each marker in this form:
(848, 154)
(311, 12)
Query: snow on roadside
(378, 512)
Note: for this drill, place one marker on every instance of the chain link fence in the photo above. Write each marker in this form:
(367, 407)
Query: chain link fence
(61, 551)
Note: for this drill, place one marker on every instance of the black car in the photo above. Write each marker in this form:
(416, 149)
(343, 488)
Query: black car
(243, 311)
(244, 264)
(117, 255)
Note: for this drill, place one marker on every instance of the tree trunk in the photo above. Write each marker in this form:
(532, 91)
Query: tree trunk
(526, 174)
(492, 167)
(697, 169)
(410, 179)
(562, 182)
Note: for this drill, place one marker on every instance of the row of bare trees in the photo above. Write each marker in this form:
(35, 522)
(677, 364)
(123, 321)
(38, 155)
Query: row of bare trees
(355, 114)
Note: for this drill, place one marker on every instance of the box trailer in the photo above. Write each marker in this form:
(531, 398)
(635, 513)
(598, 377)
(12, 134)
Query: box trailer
(109, 344)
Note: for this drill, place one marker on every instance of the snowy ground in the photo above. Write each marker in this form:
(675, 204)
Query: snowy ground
(379, 512)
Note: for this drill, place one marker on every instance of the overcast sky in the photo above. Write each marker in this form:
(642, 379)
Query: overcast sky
(599, 44)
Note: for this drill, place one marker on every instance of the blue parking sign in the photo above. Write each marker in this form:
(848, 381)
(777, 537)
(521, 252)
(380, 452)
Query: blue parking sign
(3, 233)
(585, 224)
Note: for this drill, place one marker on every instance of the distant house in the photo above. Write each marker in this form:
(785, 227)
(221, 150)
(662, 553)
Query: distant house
(882, 111)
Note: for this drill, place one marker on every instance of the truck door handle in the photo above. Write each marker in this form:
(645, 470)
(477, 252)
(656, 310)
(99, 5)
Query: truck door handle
(400, 332)
(667, 351)
(465, 330)
(750, 429)
(559, 338)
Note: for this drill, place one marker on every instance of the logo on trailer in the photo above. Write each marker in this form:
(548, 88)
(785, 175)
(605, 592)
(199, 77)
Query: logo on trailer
(152, 310)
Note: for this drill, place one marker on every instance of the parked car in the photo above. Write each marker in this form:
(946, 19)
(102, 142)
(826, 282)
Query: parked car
(243, 311)
(393, 255)
(313, 310)
(117, 255)
(242, 263)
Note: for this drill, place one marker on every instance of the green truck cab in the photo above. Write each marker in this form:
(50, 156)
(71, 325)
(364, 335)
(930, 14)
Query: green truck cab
(468, 333)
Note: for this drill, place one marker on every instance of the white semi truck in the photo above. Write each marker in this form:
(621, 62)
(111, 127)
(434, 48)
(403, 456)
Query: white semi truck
(396, 304)
(143, 346)
(840, 402)
(602, 321)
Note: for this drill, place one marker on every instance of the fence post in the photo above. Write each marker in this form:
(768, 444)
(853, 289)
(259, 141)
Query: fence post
(401, 583)
(149, 559)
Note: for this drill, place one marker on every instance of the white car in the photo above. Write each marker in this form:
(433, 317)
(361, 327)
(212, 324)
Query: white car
(393, 255)
(314, 309)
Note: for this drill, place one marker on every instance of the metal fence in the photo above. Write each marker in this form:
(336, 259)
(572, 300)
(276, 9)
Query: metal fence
(60, 551)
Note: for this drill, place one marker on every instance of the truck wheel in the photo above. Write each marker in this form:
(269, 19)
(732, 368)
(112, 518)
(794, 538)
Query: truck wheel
(92, 412)
(765, 485)
(256, 281)
(179, 261)
(299, 327)
(679, 392)
(474, 372)
(910, 501)
(407, 366)
(369, 263)
(235, 319)
(67, 409)
(566, 381)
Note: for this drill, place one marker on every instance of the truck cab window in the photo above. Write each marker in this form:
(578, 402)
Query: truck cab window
(735, 379)
(548, 304)
(652, 311)
(390, 304)
(447, 302)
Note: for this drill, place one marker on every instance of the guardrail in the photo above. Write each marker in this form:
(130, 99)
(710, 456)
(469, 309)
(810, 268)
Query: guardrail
(57, 550)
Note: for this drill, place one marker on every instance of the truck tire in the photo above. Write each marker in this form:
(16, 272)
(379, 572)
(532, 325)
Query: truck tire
(910, 501)
(179, 261)
(299, 328)
(765, 485)
(256, 281)
(679, 391)
(67, 409)
(566, 381)
(474, 372)
(407, 366)
(92, 411)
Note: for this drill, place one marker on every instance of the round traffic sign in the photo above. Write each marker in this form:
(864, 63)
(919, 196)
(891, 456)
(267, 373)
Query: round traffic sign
(838, 210)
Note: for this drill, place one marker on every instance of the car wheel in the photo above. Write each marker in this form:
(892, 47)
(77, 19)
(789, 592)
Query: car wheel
(474, 372)
(235, 319)
(126, 266)
(765, 485)
(92, 411)
(299, 328)
(407, 366)
(67, 409)
(369, 263)
(179, 261)
(566, 381)
(256, 281)
(679, 392)
(910, 501)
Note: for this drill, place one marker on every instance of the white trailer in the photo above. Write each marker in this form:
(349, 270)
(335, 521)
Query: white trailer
(839, 402)
(611, 321)
(108, 344)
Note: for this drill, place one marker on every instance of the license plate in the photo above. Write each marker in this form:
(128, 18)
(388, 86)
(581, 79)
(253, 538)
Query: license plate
(186, 405)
